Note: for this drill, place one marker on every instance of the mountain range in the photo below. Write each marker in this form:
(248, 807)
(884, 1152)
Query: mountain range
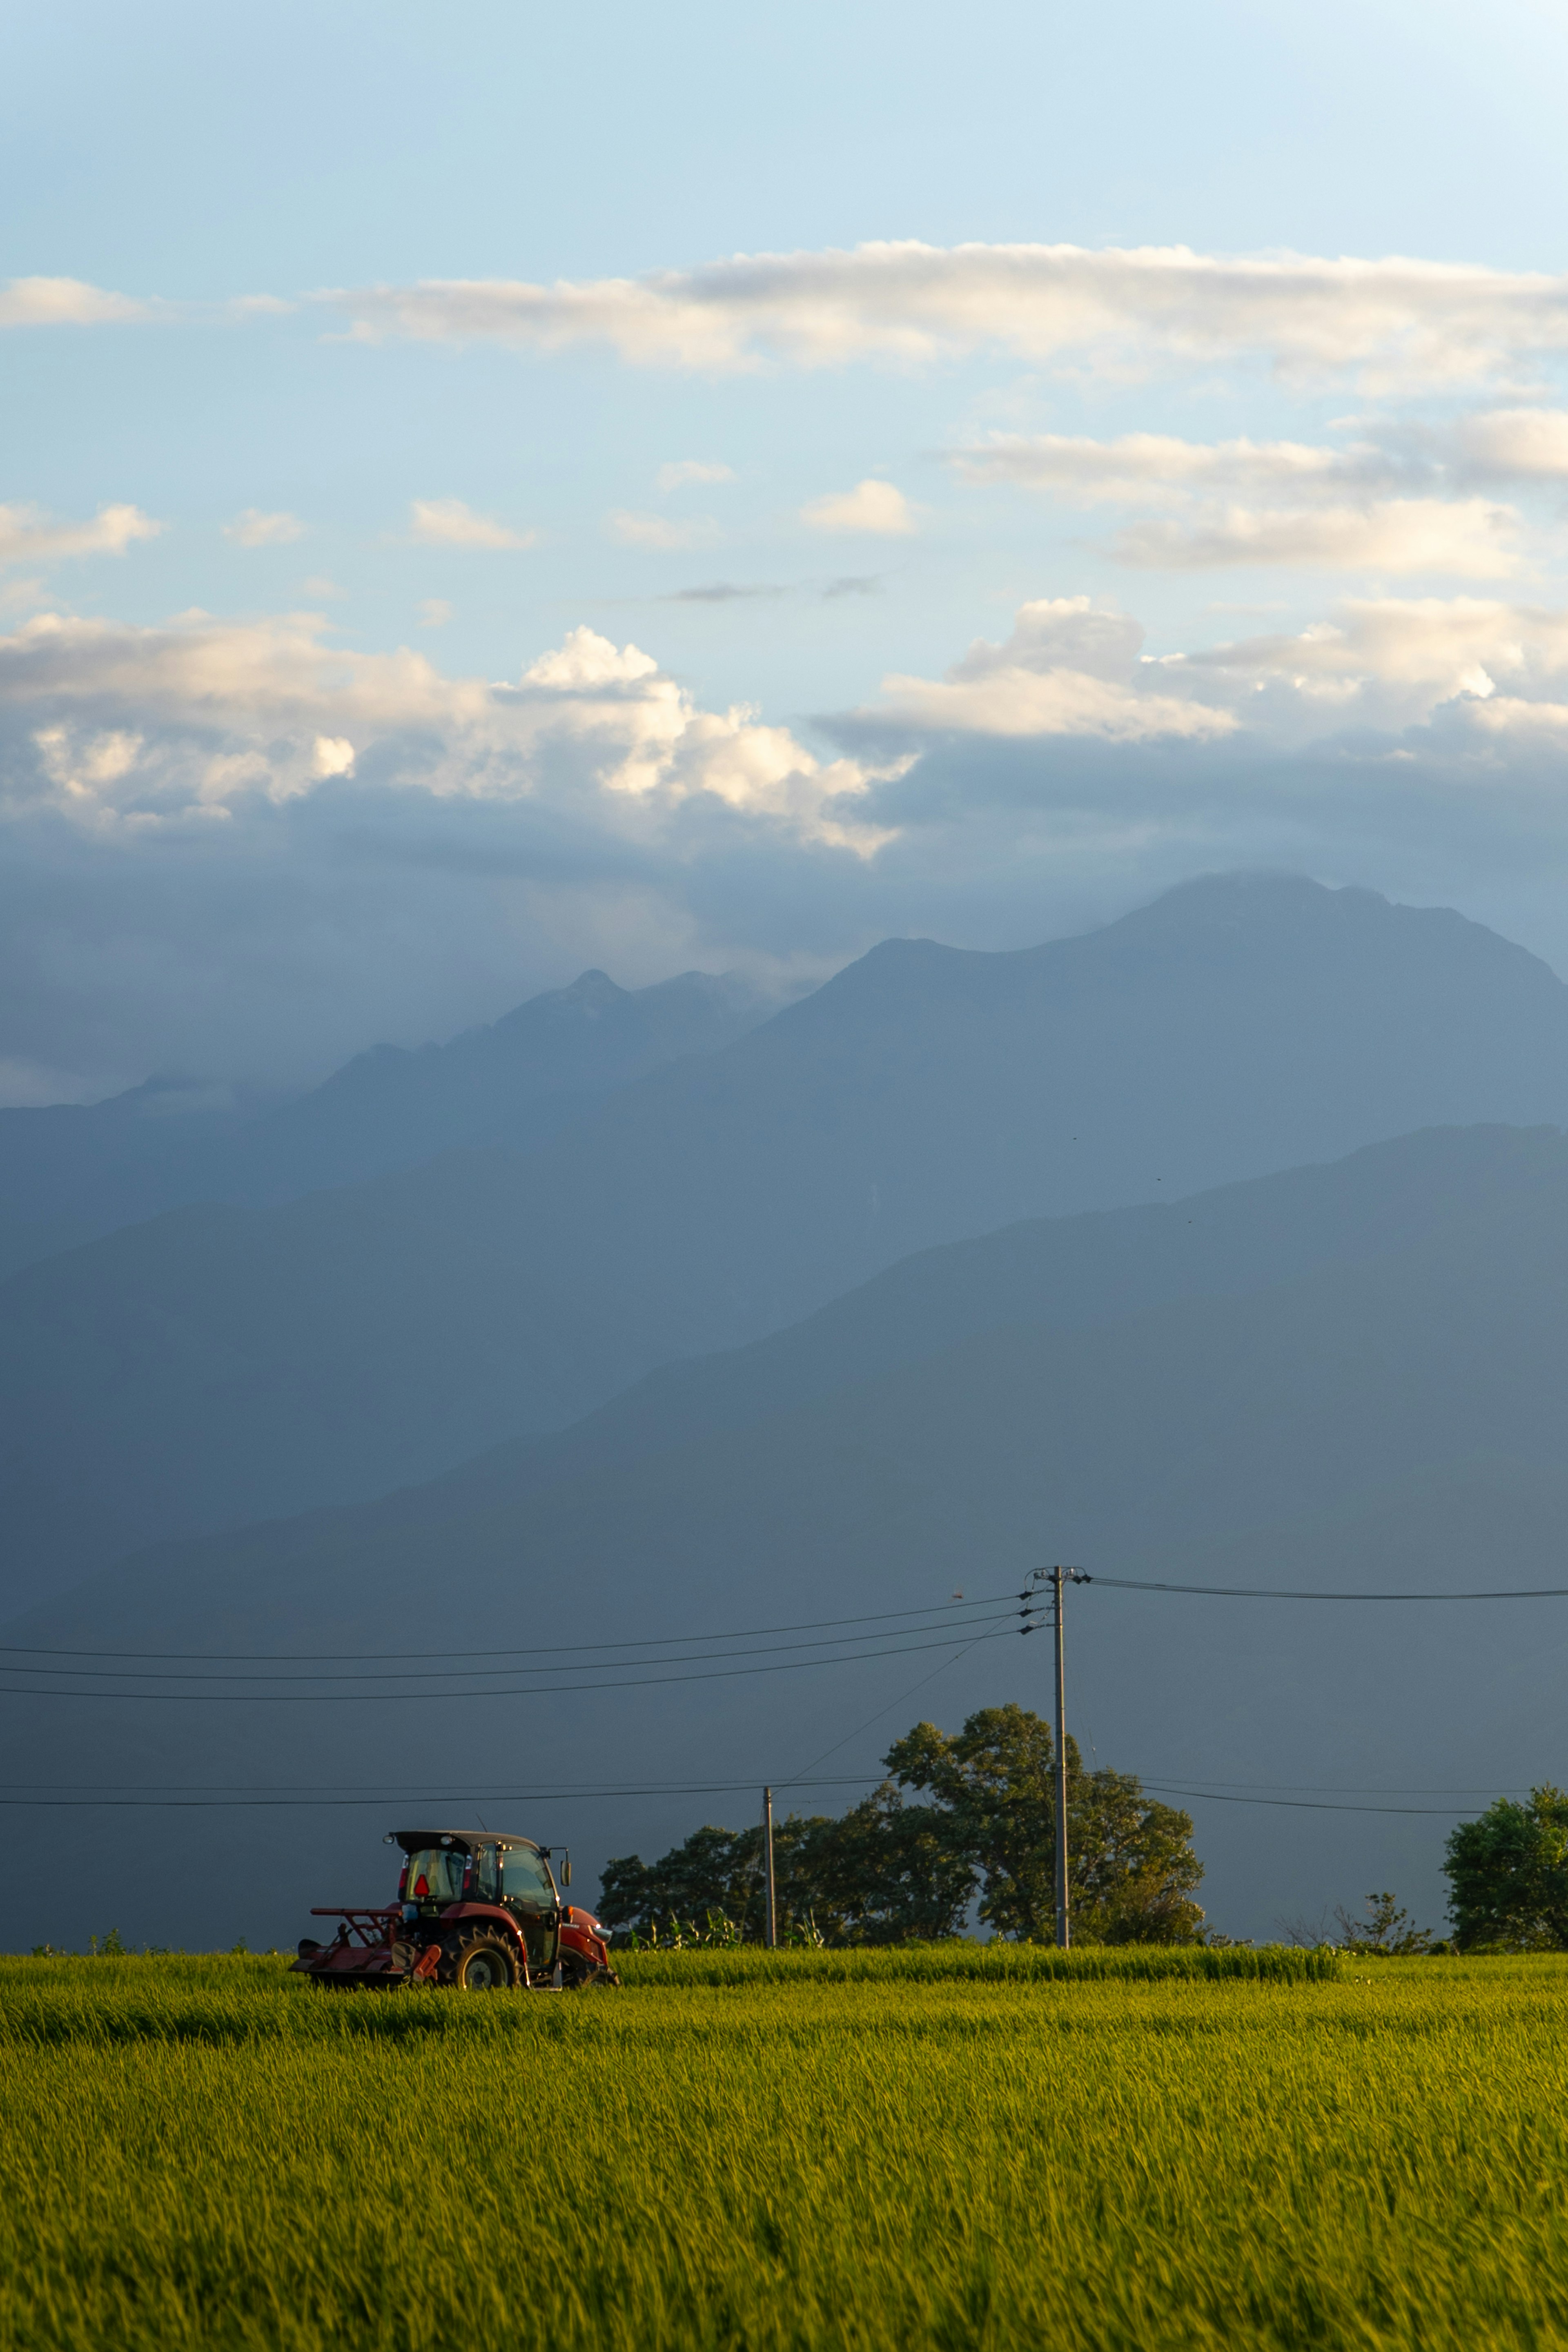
(226, 1362)
(69, 1173)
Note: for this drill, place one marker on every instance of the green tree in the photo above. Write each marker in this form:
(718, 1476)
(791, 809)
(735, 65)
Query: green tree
(883, 1873)
(1133, 1867)
(888, 1872)
(720, 1871)
(1508, 1876)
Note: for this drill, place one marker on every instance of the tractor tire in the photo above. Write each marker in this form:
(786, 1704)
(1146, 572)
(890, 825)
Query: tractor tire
(477, 1962)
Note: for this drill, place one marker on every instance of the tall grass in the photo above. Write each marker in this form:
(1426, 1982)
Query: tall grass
(209, 2154)
(998, 1963)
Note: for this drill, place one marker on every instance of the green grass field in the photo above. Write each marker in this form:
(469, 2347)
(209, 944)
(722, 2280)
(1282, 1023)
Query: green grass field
(203, 2152)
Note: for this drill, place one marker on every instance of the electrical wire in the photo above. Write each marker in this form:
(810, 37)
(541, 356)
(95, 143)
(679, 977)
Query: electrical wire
(1306, 1804)
(1250, 1592)
(126, 1800)
(470, 1697)
(455, 1674)
(544, 1650)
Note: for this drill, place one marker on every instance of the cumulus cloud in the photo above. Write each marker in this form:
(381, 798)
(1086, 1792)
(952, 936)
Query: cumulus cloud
(450, 522)
(435, 612)
(871, 506)
(65, 302)
(1069, 668)
(1391, 663)
(28, 535)
(255, 529)
(675, 475)
(1393, 319)
(657, 531)
(139, 726)
(1474, 669)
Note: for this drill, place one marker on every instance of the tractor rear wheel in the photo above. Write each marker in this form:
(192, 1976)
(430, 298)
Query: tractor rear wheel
(477, 1962)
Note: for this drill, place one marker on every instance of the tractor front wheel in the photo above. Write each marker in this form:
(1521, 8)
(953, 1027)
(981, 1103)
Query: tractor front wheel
(477, 1962)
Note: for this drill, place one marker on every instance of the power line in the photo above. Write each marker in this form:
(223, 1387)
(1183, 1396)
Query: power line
(1250, 1592)
(1305, 1804)
(539, 1650)
(455, 1673)
(470, 1697)
(203, 1804)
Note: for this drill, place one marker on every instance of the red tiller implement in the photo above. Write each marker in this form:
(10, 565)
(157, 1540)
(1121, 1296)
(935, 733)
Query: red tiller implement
(478, 1911)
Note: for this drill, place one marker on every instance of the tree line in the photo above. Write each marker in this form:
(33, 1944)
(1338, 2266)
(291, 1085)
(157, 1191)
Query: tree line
(964, 1826)
(978, 1831)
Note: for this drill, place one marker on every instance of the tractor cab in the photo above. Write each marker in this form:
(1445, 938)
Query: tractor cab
(445, 1867)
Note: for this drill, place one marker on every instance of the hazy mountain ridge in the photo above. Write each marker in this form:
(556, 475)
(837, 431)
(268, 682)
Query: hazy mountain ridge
(72, 1173)
(215, 1367)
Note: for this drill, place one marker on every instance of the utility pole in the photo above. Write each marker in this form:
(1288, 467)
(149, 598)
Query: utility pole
(1064, 1924)
(1058, 1579)
(768, 1861)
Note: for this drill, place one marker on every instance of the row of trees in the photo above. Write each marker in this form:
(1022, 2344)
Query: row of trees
(981, 1826)
(979, 1833)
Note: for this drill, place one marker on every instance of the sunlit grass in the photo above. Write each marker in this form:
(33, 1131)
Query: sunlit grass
(204, 2152)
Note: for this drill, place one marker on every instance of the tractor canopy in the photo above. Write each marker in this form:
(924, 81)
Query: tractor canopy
(444, 1866)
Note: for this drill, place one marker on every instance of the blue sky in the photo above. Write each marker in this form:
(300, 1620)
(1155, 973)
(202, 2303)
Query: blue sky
(982, 574)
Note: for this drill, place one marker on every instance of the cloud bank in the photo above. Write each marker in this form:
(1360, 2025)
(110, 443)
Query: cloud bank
(1393, 321)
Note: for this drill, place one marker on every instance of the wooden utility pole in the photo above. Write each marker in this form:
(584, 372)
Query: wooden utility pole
(768, 1863)
(1064, 1924)
(1058, 1579)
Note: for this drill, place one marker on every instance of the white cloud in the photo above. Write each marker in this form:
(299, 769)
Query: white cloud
(1476, 668)
(1396, 321)
(320, 584)
(255, 529)
(139, 726)
(871, 506)
(1426, 650)
(658, 530)
(1069, 668)
(1469, 537)
(435, 612)
(449, 522)
(27, 535)
(681, 470)
(1515, 444)
(333, 755)
(65, 302)
(1141, 466)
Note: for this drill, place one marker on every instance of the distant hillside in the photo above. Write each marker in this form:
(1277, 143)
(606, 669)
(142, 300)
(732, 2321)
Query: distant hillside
(71, 1173)
(1132, 1393)
(219, 1365)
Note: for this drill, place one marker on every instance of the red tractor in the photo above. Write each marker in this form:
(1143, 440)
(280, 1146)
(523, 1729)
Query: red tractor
(475, 1911)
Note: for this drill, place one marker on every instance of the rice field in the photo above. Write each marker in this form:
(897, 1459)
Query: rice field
(968, 2151)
